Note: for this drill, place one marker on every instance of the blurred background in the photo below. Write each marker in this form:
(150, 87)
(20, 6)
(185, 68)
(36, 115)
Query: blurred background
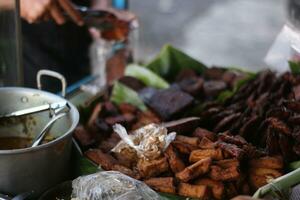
(217, 32)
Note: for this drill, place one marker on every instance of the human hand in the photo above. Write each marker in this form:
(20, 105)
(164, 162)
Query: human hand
(243, 198)
(36, 10)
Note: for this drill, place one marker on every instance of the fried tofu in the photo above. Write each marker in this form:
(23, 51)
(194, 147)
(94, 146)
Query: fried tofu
(266, 172)
(267, 162)
(106, 161)
(203, 133)
(224, 174)
(226, 163)
(206, 143)
(217, 187)
(215, 154)
(126, 171)
(175, 162)
(194, 191)
(183, 148)
(162, 184)
(194, 141)
(152, 168)
(257, 181)
(193, 171)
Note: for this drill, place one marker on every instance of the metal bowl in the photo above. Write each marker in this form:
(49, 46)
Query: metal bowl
(40, 168)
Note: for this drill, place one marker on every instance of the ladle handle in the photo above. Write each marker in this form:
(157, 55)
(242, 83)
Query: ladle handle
(43, 133)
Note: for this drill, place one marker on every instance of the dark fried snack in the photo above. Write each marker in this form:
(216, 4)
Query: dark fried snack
(193, 171)
(152, 168)
(214, 154)
(106, 161)
(162, 184)
(226, 122)
(217, 187)
(194, 191)
(224, 174)
(237, 140)
(83, 136)
(126, 171)
(202, 133)
(231, 149)
(175, 162)
(279, 126)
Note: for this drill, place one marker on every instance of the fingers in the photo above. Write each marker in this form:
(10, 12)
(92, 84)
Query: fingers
(56, 14)
(73, 13)
(33, 10)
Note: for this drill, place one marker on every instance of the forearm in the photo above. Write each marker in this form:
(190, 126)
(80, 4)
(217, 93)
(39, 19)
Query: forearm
(6, 4)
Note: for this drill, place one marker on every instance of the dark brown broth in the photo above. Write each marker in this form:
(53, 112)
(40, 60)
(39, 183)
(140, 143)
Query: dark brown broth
(9, 143)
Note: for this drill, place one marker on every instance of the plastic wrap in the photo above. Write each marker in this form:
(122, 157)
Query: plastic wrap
(147, 142)
(111, 185)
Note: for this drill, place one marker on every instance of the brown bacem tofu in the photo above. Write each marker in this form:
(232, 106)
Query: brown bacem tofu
(184, 148)
(193, 171)
(106, 161)
(162, 184)
(275, 162)
(206, 143)
(83, 136)
(215, 154)
(226, 163)
(152, 168)
(175, 162)
(194, 141)
(217, 187)
(224, 174)
(194, 191)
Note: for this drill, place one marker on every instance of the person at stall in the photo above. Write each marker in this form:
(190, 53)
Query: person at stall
(55, 38)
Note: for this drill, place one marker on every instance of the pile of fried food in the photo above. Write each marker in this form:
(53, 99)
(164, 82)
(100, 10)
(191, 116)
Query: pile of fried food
(239, 147)
(204, 166)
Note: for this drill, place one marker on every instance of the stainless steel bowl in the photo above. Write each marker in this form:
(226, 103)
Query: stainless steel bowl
(39, 168)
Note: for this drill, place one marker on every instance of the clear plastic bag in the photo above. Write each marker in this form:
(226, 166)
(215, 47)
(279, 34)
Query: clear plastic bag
(111, 185)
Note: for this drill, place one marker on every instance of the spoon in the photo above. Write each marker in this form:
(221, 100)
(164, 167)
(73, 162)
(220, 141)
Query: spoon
(45, 130)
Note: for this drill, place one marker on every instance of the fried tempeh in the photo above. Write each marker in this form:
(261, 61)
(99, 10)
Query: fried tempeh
(162, 184)
(194, 141)
(231, 149)
(152, 168)
(194, 191)
(275, 162)
(224, 174)
(193, 171)
(106, 161)
(217, 187)
(175, 163)
(215, 154)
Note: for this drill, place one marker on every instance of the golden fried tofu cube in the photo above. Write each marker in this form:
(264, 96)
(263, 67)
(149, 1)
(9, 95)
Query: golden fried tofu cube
(217, 187)
(224, 174)
(193, 171)
(194, 191)
(183, 148)
(206, 143)
(226, 163)
(265, 172)
(215, 154)
(162, 184)
(175, 162)
(188, 140)
(152, 168)
(275, 162)
(257, 181)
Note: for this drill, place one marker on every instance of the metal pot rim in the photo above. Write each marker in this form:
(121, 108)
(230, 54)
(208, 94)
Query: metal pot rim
(53, 142)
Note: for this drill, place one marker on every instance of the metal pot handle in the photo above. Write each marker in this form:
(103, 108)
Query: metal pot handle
(45, 72)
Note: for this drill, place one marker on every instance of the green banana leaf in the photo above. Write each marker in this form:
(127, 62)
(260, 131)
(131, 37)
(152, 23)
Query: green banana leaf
(170, 61)
(294, 67)
(123, 94)
(146, 76)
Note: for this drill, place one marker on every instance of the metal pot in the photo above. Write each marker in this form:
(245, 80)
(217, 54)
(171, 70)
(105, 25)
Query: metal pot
(39, 168)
